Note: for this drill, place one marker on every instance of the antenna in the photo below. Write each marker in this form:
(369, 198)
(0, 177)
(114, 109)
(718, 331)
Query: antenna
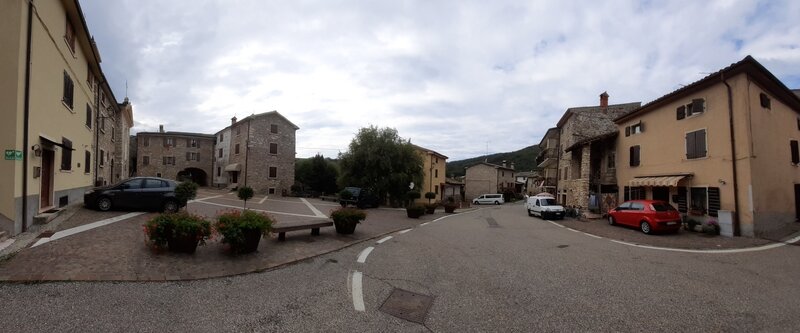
(126, 88)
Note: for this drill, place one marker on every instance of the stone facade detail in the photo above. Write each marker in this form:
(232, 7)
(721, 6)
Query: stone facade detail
(175, 155)
(221, 154)
(487, 178)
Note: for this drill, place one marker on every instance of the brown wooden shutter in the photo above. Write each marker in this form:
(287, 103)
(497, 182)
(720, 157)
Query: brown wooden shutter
(713, 201)
(697, 105)
(795, 152)
(627, 131)
(634, 156)
(690, 144)
(700, 143)
(641, 127)
(681, 112)
(765, 102)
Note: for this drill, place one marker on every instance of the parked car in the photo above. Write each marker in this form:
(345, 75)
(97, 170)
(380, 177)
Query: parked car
(545, 207)
(361, 198)
(489, 199)
(647, 215)
(140, 193)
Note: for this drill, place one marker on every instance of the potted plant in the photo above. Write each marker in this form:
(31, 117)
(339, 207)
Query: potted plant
(711, 227)
(179, 232)
(450, 205)
(242, 230)
(345, 219)
(430, 196)
(430, 208)
(245, 193)
(184, 192)
(415, 211)
(691, 224)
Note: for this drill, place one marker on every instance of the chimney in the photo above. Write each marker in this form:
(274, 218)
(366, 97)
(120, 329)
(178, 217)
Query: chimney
(160, 128)
(512, 165)
(233, 120)
(504, 163)
(604, 100)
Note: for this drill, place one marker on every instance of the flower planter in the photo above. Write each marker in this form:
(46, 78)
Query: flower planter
(430, 209)
(415, 213)
(183, 243)
(345, 227)
(450, 209)
(252, 237)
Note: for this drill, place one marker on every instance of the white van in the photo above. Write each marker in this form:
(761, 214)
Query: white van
(544, 206)
(489, 199)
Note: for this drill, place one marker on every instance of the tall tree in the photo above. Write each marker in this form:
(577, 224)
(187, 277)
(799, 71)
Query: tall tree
(379, 159)
(318, 174)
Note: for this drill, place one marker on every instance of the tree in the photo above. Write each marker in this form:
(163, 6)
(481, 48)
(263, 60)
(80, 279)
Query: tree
(380, 160)
(245, 193)
(317, 173)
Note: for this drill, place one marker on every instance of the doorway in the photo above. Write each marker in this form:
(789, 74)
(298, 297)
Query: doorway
(234, 177)
(797, 202)
(46, 189)
(661, 193)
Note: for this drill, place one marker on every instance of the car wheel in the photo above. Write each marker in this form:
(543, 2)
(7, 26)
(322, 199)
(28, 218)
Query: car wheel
(645, 227)
(104, 204)
(170, 206)
(497, 202)
(611, 220)
(530, 213)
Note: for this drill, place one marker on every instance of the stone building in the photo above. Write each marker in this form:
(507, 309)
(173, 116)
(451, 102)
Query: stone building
(175, 155)
(261, 153)
(114, 122)
(488, 178)
(53, 88)
(587, 151)
(547, 161)
(221, 153)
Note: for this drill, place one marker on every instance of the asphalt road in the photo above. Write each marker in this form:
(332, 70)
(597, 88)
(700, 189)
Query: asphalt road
(494, 269)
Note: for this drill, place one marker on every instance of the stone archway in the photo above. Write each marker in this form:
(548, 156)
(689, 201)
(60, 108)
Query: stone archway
(194, 174)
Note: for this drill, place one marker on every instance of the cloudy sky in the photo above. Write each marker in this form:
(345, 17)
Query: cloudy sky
(453, 76)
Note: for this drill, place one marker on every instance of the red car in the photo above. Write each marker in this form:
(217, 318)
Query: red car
(648, 215)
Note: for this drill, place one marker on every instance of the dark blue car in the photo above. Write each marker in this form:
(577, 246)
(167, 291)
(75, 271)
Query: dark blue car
(140, 193)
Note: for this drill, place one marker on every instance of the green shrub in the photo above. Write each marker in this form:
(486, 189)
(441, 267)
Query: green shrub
(413, 195)
(345, 195)
(185, 191)
(245, 193)
(348, 215)
(415, 211)
(232, 224)
(430, 195)
(165, 226)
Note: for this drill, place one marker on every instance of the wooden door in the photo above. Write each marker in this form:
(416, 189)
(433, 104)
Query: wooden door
(797, 201)
(46, 190)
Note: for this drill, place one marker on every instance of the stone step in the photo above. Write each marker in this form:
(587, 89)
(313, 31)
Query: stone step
(3, 235)
(47, 216)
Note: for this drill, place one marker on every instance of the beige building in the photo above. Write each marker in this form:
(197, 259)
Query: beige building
(259, 152)
(434, 166)
(726, 142)
(175, 155)
(53, 86)
(488, 178)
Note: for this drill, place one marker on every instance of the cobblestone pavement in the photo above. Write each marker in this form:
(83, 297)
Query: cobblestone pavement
(119, 252)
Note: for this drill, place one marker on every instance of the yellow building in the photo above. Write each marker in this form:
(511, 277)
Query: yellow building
(727, 142)
(434, 166)
(52, 85)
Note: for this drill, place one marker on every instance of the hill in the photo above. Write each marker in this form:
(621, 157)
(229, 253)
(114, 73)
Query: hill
(523, 159)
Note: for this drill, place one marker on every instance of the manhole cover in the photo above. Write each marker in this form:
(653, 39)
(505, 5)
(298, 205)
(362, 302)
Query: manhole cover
(562, 246)
(407, 305)
(46, 234)
(492, 222)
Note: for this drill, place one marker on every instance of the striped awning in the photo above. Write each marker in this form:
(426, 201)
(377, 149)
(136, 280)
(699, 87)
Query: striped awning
(657, 181)
(233, 167)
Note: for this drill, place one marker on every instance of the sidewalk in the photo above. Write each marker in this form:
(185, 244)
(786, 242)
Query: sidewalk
(118, 252)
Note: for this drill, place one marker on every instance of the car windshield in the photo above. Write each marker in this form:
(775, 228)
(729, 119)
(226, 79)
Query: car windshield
(661, 207)
(548, 202)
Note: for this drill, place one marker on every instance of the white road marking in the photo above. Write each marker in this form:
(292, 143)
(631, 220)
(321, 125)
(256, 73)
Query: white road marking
(590, 235)
(362, 258)
(258, 210)
(404, 231)
(384, 239)
(85, 227)
(206, 198)
(573, 230)
(555, 224)
(262, 200)
(424, 224)
(6, 243)
(751, 249)
(358, 294)
(312, 208)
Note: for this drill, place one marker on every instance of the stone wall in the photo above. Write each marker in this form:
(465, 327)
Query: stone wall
(152, 146)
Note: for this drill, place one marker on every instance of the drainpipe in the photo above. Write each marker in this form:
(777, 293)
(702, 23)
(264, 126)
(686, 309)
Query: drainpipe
(246, 151)
(26, 118)
(97, 130)
(736, 226)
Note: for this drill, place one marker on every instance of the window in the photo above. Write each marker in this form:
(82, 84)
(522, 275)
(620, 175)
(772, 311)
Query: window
(236, 149)
(69, 88)
(637, 206)
(696, 144)
(87, 162)
(697, 106)
(222, 137)
(113, 134)
(238, 130)
(192, 143)
(88, 116)
(66, 154)
(634, 193)
(634, 129)
(158, 174)
(219, 171)
(612, 160)
(90, 79)
(713, 201)
(145, 160)
(765, 101)
(169, 142)
(273, 148)
(191, 156)
(168, 160)
(436, 189)
(273, 128)
(273, 172)
(795, 152)
(102, 158)
(220, 152)
(69, 36)
(699, 199)
(146, 141)
(436, 173)
(635, 155)
(102, 122)
(271, 190)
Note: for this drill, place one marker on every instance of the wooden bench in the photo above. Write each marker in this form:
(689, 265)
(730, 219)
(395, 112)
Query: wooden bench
(283, 228)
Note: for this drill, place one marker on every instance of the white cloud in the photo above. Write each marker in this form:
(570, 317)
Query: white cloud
(450, 76)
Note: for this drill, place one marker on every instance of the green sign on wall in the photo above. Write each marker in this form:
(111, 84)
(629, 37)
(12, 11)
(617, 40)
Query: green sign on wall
(11, 155)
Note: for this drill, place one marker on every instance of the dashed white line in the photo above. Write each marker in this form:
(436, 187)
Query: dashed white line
(422, 224)
(362, 258)
(358, 294)
(404, 231)
(312, 208)
(262, 200)
(384, 239)
(85, 227)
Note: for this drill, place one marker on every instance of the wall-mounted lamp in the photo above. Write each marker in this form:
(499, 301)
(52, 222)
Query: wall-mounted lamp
(37, 150)
(721, 181)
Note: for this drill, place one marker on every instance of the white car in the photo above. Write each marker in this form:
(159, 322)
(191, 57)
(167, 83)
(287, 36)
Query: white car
(545, 207)
(489, 199)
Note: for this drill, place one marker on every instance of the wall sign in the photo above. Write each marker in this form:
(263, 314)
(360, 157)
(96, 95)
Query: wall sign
(11, 155)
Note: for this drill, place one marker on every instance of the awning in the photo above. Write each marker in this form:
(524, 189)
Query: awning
(657, 181)
(64, 145)
(233, 167)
